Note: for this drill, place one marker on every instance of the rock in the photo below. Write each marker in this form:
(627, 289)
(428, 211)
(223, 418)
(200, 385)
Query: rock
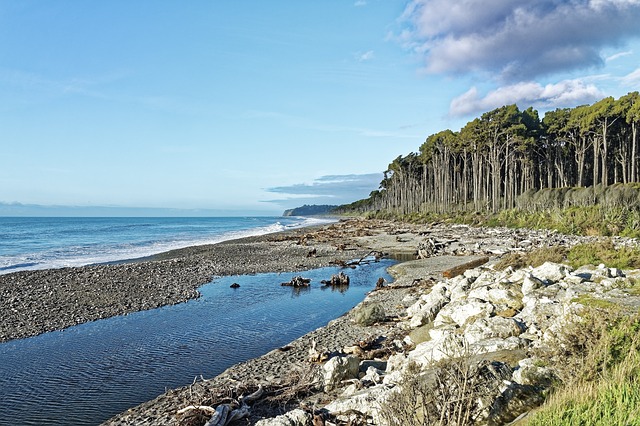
(425, 310)
(531, 283)
(449, 346)
(295, 417)
(616, 273)
(528, 373)
(550, 272)
(379, 365)
(463, 312)
(539, 312)
(514, 400)
(338, 369)
(497, 344)
(494, 327)
(367, 401)
(373, 375)
(369, 313)
(503, 295)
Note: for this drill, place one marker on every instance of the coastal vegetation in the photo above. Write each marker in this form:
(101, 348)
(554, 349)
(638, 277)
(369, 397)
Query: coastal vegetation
(601, 361)
(574, 168)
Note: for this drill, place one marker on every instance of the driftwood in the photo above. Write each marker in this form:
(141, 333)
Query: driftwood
(377, 255)
(457, 270)
(224, 414)
(315, 355)
(297, 282)
(431, 247)
(340, 279)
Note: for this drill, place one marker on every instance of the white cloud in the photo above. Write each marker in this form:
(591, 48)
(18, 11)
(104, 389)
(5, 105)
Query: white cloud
(566, 93)
(514, 39)
(360, 3)
(618, 55)
(366, 56)
(632, 78)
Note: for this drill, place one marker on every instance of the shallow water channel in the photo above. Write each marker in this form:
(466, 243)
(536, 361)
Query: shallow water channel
(88, 373)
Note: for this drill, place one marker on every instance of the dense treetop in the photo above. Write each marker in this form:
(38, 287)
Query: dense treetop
(506, 152)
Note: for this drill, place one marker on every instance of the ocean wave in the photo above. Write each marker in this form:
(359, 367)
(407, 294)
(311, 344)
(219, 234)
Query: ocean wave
(116, 248)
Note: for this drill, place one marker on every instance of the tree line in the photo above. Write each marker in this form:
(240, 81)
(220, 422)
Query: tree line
(493, 159)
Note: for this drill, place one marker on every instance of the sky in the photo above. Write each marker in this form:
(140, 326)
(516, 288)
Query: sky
(249, 107)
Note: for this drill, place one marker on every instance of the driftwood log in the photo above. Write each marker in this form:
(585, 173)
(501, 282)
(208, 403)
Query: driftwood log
(340, 279)
(457, 270)
(431, 247)
(297, 282)
(224, 414)
(316, 355)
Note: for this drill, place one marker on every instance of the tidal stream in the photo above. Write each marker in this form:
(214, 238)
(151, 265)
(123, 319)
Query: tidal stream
(86, 374)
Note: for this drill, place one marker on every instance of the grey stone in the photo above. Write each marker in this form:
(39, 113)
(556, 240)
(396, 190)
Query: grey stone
(338, 369)
(295, 417)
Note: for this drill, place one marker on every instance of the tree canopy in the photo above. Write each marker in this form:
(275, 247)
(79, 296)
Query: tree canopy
(505, 152)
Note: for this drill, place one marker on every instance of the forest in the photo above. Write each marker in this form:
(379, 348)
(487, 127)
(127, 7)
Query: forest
(505, 154)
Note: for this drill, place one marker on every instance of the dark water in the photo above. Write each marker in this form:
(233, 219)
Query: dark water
(86, 374)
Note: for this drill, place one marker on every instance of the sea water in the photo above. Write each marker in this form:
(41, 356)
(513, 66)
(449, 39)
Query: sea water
(55, 242)
(86, 374)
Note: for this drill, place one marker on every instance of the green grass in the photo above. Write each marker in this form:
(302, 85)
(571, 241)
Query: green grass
(609, 404)
(584, 220)
(606, 388)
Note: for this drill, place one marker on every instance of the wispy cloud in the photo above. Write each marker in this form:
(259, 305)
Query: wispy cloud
(330, 189)
(366, 56)
(563, 94)
(632, 78)
(618, 55)
(517, 40)
(360, 3)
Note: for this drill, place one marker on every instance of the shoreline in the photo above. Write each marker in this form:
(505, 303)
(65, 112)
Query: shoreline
(173, 277)
(286, 368)
(40, 301)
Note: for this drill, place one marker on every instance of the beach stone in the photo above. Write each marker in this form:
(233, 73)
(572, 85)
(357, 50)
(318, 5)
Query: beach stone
(369, 313)
(369, 402)
(295, 417)
(528, 373)
(531, 283)
(551, 272)
(338, 369)
(494, 327)
(425, 310)
(463, 311)
(449, 346)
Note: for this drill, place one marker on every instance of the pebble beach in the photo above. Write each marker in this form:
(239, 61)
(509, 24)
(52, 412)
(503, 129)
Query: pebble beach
(39, 301)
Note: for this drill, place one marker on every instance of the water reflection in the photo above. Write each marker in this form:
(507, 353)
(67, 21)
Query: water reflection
(86, 374)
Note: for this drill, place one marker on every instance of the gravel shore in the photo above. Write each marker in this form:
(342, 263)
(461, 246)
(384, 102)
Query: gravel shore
(286, 371)
(39, 301)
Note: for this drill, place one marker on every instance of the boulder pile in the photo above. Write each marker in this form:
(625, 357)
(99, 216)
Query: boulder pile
(475, 338)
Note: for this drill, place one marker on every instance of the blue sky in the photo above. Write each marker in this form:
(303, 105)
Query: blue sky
(251, 107)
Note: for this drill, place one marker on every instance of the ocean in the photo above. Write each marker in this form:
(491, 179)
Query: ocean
(28, 243)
